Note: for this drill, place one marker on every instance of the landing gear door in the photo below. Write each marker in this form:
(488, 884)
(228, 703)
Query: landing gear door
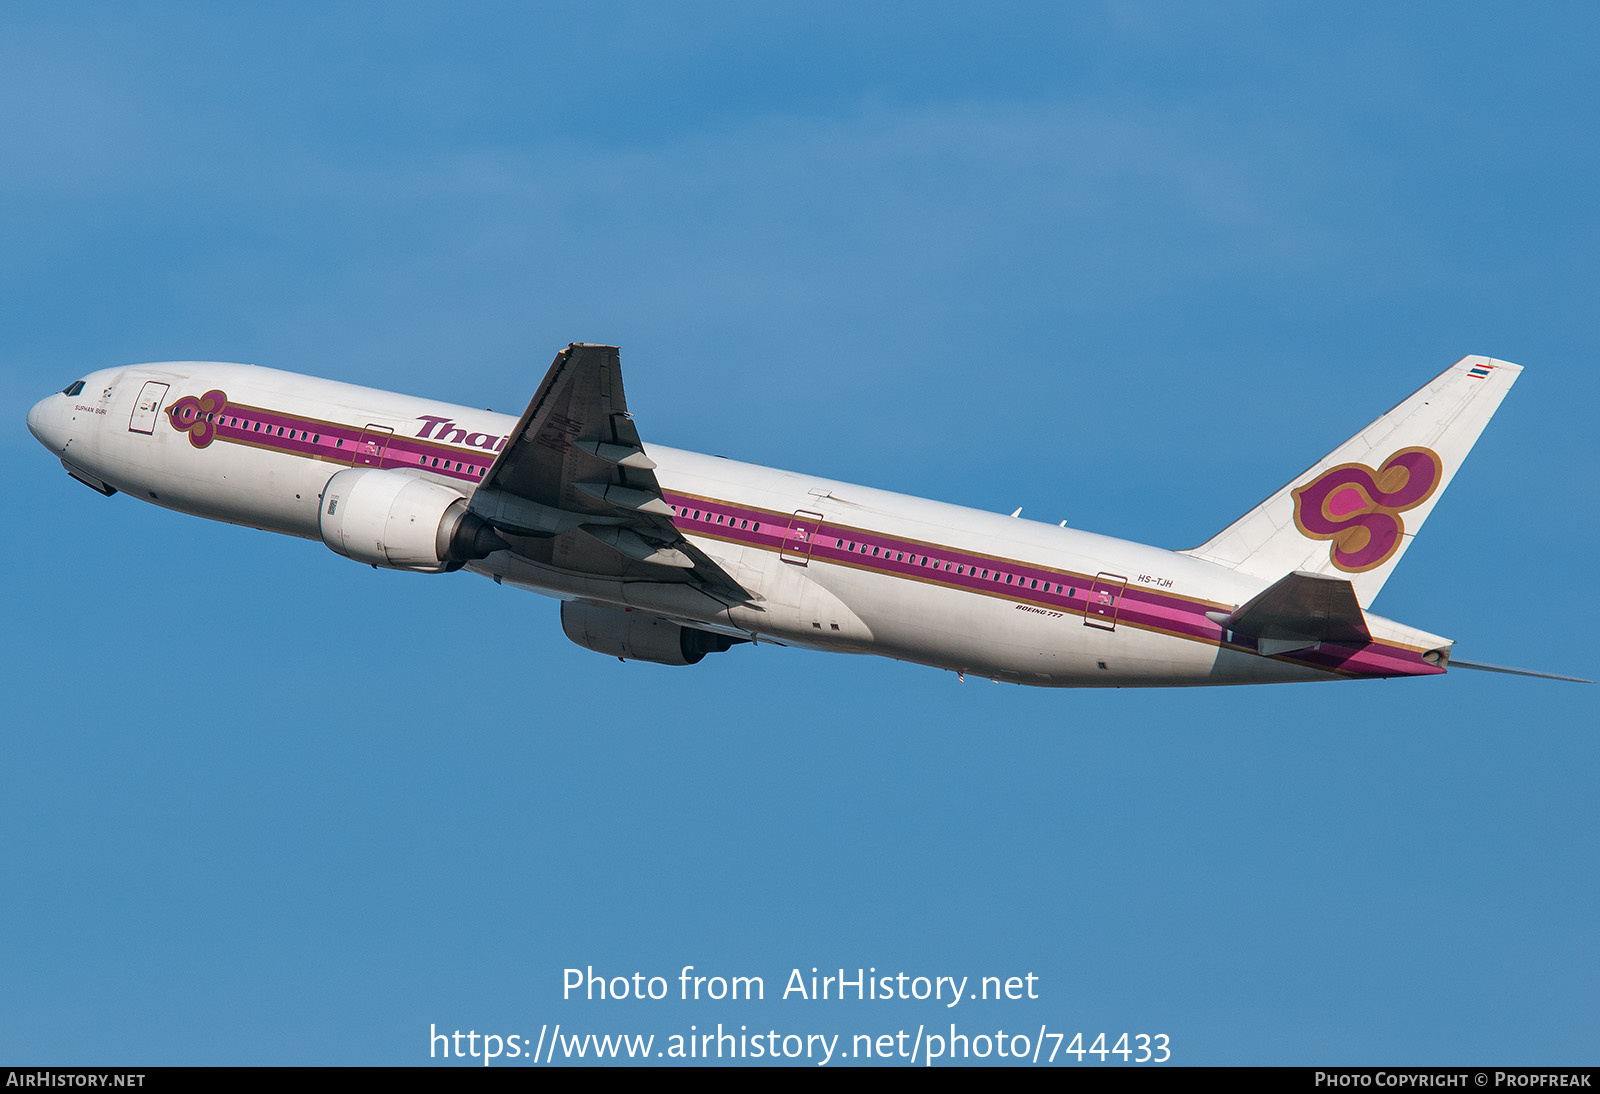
(370, 448)
(1105, 599)
(797, 541)
(148, 408)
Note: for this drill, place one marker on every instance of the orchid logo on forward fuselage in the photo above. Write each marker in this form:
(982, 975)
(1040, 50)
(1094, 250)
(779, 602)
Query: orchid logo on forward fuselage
(196, 416)
(1359, 508)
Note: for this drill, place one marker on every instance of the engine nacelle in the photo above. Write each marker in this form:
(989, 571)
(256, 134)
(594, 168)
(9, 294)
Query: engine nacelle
(637, 636)
(389, 518)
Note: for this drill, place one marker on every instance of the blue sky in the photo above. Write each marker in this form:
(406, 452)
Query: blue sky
(1128, 265)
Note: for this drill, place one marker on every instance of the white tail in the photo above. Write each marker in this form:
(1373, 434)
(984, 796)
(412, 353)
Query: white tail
(1354, 512)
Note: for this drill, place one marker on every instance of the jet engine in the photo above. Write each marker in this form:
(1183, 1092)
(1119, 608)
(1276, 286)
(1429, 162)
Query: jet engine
(392, 519)
(637, 636)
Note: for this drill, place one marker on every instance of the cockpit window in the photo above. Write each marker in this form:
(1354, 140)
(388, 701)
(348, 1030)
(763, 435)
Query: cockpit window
(73, 388)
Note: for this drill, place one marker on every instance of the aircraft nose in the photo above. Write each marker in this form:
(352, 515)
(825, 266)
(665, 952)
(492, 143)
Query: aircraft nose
(46, 421)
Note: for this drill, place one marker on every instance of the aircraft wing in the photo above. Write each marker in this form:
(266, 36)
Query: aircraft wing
(574, 488)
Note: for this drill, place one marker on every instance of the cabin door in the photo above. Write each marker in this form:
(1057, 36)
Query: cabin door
(148, 408)
(797, 541)
(370, 448)
(1105, 599)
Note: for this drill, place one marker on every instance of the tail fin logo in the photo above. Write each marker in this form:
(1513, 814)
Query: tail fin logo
(1359, 508)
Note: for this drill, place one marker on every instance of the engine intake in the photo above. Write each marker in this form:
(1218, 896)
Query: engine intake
(638, 636)
(396, 520)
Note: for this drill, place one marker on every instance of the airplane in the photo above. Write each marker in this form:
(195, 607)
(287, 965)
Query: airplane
(667, 556)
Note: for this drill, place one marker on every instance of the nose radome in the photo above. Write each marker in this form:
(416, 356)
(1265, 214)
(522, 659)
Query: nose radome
(45, 423)
(36, 420)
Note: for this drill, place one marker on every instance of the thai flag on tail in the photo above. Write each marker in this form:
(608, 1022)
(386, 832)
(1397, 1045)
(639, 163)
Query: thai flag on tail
(1478, 372)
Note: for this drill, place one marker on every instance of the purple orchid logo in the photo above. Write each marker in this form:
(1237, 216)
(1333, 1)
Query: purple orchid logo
(1359, 508)
(197, 416)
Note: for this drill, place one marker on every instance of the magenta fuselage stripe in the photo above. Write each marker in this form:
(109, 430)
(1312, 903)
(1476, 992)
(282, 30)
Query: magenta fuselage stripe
(1137, 606)
(1133, 604)
(342, 443)
(1164, 611)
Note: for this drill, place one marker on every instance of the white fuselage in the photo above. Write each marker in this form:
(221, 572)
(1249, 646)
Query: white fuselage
(833, 565)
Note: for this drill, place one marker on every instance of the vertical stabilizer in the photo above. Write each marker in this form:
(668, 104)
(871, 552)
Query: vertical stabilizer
(1354, 512)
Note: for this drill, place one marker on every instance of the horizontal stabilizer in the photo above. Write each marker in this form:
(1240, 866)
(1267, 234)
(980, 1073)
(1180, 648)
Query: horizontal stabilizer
(1298, 611)
(1457, 663)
